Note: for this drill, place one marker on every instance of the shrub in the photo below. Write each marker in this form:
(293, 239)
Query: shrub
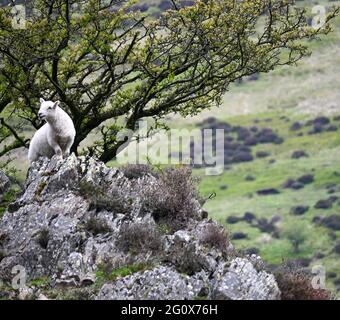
(321, 121)
(296, 284)
(3, 238)
(297, 185)
(249, 178)
(331, 274)
(242, 133)
(266, 192)
(299, 210)
(306, 179)
(233, 219)
(319, 255)
(316, 129)
(209, 121)
(332, 128)
(43, 238)
(106, 197)
(187, 260)
(288, 183)
(262, 154)
(135, 171)
(296, 235)
(251, 141)
(327, 203)
(299, 154)
(295, 126)
(251, 251)
(239, 236)
(301, 262)
(265, 226)
(215, 236)
(173, 198)
(249, 217)
(139, 237)
(97, 226)
(324, 204)
(331, 222)
(267, 135)
(293, 184)
(242, 156)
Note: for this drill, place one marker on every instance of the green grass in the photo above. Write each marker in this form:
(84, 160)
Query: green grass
(40, 282)
(240, 196)
(103, 276)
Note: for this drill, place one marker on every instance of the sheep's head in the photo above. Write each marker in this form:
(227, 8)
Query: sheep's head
(47, 109)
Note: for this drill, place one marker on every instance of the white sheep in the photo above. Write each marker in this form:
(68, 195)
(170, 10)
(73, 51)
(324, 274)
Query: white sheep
(56, 136)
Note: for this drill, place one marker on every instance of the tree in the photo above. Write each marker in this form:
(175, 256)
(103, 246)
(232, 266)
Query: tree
(297, 235)
(111, 66)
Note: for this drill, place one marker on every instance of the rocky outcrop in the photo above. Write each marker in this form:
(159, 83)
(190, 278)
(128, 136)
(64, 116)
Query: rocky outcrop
(109, 233)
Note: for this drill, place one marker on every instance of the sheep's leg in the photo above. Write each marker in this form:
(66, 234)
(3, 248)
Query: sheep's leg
(57, 149)
(33, 157)
(66, 153)
(68, 147)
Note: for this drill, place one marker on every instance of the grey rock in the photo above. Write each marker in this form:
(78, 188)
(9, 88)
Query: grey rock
(241, 281)
(162, 283)
(25, 293)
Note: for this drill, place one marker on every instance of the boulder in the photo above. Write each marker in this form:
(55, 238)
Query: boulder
(161, 283)
(241, 281)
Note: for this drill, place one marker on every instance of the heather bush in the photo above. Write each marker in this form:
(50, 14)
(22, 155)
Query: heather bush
(97, 226)
(135, 171)
(296, 284)
(214, 236)
(187, 260)
(139, 237)
(103, 197)
(173, 198)
(43, 238)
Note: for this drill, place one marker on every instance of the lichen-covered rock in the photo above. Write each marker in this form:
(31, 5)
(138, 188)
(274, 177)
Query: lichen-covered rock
(162, 283)
(78, 222)
(241, 281)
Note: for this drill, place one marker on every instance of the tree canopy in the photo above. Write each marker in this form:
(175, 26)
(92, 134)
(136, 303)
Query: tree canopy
(111, 66)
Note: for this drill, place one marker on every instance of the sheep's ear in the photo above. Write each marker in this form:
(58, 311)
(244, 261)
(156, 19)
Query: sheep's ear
(56, 104)
(42, 100)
